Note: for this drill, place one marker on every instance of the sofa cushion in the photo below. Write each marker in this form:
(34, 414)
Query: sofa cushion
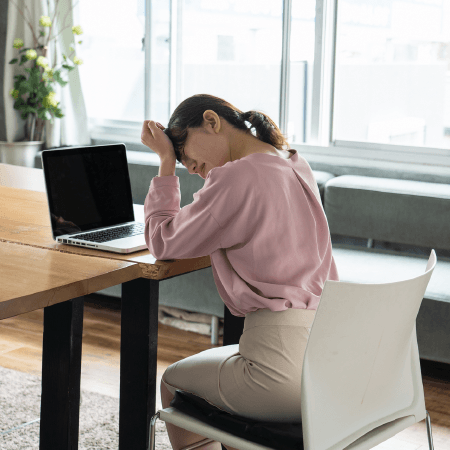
(321, 179)
(359, 265)
(385, 209)
(274, 435)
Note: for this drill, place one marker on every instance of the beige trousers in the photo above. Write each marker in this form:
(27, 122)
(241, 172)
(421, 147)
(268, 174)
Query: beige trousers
(259, 378)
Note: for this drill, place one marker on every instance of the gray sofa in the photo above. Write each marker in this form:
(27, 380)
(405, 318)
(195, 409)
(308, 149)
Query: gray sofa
(382, 230)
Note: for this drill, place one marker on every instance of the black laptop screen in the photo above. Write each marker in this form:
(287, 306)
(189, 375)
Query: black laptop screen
(87, 187)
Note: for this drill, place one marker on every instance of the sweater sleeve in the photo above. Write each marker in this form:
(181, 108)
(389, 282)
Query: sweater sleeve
(212, 221)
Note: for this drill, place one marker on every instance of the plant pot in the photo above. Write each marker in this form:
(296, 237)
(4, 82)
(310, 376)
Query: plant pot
(20, 153)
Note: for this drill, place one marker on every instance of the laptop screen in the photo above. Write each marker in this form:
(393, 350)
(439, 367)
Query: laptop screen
(87, 187)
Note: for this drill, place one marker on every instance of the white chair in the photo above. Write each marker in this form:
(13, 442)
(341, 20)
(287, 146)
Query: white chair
(361, 382)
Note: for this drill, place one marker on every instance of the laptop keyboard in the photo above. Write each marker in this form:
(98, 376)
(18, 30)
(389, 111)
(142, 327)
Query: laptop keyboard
(112, 234)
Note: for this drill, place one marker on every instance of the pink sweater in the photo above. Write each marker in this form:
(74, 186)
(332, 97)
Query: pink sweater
(261, 220)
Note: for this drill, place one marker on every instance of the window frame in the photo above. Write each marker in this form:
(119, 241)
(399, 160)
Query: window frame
(321, 143)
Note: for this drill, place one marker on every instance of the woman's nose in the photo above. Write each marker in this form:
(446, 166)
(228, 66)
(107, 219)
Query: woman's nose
(192, 168)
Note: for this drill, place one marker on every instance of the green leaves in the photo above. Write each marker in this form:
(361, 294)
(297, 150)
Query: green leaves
(43, 90)
(23, 59)
(19, 103)
(33, 91)
(44, 113)
(24, 87)
(25, 109)
(35, 77)
(58, 78)
(19, 84)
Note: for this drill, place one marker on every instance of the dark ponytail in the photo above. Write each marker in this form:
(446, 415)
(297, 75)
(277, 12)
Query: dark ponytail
(189, 114)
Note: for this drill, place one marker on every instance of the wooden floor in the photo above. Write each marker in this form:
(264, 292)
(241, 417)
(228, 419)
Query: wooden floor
(21, 348)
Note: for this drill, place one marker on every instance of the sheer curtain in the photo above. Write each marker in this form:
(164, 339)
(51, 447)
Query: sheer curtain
(72, 129)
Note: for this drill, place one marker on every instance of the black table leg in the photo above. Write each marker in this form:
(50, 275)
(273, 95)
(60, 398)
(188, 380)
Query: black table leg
(61, 371)
(233, 327)
(138, 359)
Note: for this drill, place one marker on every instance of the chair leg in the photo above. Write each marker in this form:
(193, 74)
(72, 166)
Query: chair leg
(152, 431)
(214, 330)
(430, 435)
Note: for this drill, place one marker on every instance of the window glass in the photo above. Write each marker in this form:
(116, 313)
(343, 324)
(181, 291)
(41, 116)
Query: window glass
(160, 62)
(112, 74)
(301, 70)
(231, 49)
(392, 79)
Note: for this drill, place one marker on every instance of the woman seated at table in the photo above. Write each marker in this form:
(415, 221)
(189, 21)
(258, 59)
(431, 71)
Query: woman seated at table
(259, 216)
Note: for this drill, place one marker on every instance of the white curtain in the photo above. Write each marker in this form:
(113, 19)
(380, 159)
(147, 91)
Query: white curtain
(72, 129)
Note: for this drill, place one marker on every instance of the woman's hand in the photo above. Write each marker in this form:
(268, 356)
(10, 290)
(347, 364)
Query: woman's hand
(154, 138)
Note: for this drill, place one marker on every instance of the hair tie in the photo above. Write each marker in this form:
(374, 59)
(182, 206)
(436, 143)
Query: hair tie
(246, 119)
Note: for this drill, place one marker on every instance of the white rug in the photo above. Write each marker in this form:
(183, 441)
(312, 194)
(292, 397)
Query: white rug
(20, 399)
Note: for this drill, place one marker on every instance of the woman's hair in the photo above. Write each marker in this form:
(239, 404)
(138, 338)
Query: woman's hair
(189, 114)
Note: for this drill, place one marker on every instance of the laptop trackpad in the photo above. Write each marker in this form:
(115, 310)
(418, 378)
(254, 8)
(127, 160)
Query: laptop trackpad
(127, 242)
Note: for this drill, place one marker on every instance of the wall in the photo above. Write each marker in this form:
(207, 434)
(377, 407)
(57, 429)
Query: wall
(3, 20)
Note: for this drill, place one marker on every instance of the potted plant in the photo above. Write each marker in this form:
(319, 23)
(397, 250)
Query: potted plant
(33, 88)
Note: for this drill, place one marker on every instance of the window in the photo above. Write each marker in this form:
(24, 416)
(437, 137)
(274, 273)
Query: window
(225, 48)
(113, 71)
(196, 46)
(301, 70)
(231, 49)
(352, 78)
(392, 82)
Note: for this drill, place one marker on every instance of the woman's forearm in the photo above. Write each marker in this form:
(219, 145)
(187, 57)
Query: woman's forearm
(167, 167)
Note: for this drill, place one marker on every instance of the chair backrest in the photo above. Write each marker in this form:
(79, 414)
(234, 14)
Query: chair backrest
(361, 366)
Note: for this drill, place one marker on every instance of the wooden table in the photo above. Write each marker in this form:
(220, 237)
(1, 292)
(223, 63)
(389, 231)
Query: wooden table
(32, 278)
(25, 222)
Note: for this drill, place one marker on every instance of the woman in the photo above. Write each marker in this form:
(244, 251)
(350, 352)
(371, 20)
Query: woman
(260, 218)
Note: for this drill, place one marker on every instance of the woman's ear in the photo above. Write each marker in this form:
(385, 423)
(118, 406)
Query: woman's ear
(211, 121)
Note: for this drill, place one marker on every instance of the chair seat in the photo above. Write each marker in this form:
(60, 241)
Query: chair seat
(195, 414)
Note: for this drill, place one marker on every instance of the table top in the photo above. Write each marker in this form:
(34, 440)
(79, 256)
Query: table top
(24, 219)
(32, 278)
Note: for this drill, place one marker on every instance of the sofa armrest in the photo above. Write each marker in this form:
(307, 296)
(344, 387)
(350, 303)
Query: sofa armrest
(385, 209)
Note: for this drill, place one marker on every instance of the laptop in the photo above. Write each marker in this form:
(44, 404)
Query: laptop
(89, 198)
